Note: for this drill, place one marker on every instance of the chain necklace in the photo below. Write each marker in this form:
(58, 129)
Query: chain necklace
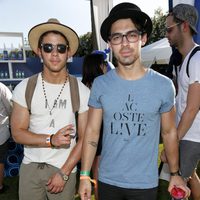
(45, 94)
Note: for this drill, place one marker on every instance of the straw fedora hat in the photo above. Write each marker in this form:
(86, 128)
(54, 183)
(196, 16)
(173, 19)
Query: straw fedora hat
(123, 11)
(53, 25)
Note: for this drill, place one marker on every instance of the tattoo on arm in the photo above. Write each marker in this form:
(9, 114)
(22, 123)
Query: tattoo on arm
(94, 144)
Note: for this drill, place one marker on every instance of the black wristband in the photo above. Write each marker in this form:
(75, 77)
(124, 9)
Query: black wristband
(51, 141)
(177, 173)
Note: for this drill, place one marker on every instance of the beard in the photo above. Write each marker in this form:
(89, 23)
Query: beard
(127, 62)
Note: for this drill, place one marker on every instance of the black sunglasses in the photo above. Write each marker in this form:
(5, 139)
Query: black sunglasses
(48, 48)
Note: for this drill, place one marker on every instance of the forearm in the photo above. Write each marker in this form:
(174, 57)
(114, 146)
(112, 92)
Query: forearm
(73, 159)
(172, 151)
(89, 150)
(26, 137)
(75, 154)
(186, 121)
(191, 110)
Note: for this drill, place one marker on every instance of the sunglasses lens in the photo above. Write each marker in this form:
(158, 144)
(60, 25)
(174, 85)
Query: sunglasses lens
(47, 48)
(61, 48)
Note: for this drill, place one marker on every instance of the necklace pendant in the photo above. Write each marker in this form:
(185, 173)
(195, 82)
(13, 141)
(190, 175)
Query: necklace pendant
(45, 95)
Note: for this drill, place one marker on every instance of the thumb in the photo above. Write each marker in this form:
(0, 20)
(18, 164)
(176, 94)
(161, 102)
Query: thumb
(48, 182)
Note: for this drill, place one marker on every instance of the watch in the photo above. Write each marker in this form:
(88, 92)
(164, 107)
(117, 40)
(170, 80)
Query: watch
(65, 177)
(177, 173)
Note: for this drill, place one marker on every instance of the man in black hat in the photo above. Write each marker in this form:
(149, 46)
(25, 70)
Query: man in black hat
(132, 100)
(181, 27)
(47, 129)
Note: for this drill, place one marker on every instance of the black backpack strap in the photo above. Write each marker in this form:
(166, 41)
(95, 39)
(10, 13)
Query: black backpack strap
(30, 88)
(190, 56)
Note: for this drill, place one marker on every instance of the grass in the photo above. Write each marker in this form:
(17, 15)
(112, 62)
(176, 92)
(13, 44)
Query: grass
(12, 192)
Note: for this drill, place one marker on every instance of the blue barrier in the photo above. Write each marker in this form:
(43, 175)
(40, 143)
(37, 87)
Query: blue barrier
(12, 171)
(14, 158)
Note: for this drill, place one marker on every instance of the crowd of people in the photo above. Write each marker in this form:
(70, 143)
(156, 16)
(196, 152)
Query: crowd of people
(119, 117)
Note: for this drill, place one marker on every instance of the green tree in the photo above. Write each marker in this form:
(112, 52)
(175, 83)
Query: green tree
(158, 21)
(86, 45)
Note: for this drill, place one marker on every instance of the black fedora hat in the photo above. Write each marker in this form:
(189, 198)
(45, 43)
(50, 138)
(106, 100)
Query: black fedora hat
(123, 11)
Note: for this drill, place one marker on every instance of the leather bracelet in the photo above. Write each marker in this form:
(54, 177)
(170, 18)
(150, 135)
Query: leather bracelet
(48, 141)
(51, 141)
(177, 173)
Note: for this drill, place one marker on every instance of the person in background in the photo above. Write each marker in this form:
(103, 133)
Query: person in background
(133, 101)
(5, 111)
(48, 131)
(181, 26)
(174, 61)
(94, 65)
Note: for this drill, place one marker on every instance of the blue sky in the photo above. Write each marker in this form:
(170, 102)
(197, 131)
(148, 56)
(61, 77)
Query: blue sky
(22, 15)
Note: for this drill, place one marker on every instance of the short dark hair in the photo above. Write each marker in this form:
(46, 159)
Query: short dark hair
(55, 32)
(137, 25)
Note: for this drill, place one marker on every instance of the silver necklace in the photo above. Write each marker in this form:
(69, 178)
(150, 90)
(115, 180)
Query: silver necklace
(45, 94)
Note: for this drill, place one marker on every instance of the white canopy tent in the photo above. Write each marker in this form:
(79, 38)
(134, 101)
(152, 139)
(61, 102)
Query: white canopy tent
(158, 52)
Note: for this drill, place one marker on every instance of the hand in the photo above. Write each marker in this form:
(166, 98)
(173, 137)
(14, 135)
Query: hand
(85, 189)
(177, 193)
(63, 136)
(55, 184)
(179, 183)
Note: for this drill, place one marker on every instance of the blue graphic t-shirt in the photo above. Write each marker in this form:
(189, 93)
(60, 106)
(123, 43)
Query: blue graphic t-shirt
(131, 115)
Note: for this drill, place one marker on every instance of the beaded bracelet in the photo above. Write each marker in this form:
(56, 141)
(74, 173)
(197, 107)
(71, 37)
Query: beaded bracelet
(85, 173)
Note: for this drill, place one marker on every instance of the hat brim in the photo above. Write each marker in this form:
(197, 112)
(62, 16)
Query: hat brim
(138, 16)
(194, 29)
(35, 33)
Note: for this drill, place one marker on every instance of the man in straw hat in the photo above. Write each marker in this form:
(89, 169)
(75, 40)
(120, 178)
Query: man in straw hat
(181, 27)
(48, 131)
(132, 100)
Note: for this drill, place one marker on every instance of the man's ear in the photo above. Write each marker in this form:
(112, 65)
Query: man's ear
(144, 39)
(109, 45)
(39, 52)
(69, 54)
(185, 27)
